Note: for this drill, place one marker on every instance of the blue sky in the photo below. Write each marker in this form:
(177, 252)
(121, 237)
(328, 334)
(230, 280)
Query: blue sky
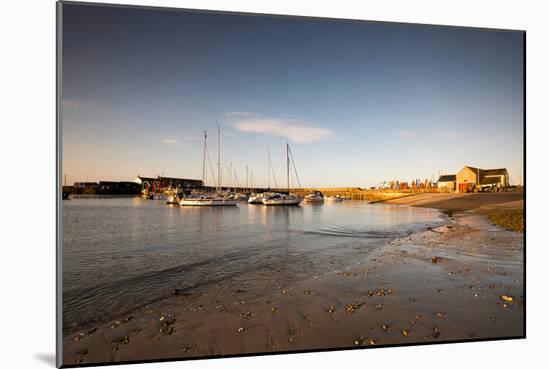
(359, 102)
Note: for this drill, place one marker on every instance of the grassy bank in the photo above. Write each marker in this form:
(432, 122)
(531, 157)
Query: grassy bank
(503, 208)
(512, 219)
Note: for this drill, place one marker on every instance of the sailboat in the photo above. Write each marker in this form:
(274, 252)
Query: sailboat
(284, 199)
(257, 198)
(205, 200)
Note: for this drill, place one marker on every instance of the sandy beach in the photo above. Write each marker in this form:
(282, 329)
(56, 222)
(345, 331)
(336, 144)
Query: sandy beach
(459, 281)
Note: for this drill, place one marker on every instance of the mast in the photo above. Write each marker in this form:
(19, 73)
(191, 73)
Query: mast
(204, 161)
(219, 161)
(287, 170)
(268, 169)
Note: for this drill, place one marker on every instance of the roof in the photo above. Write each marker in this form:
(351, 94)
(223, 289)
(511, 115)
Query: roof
(151, 179)
(495, 172)
(473, 169)
(490, 180)
(179, 179)
(117, 183)
(447, 178)
(488, 172)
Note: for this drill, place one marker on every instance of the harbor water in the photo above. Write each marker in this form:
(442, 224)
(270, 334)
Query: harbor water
(124, 253)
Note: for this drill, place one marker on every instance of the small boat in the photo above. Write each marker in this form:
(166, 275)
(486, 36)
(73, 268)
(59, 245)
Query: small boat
(174, 197)
(241, 197)
(258, 198)
(316, 197)
(65, 195)
(280, 199)
(156, 196)
(255, 198)
(336, 198)
(207, 201)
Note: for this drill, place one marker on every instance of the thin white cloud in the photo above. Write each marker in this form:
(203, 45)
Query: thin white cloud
(239, 113)
(177, 140)
(294, 130)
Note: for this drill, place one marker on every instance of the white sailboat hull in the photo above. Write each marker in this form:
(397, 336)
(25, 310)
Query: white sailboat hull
(314, 199)
(287, 201)
(255, 200)
(208, 202)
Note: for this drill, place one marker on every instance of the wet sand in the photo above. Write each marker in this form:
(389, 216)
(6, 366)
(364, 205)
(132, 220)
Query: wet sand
(460, 281)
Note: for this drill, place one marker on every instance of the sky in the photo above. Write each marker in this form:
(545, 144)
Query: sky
(358, 102)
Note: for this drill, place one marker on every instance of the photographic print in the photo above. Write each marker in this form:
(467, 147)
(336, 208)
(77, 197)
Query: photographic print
(244, 184)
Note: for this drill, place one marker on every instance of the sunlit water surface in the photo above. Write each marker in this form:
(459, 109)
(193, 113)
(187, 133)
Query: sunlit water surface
(121, 253)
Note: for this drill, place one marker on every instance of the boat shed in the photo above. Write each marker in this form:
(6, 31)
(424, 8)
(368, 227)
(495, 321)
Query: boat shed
(171, 182)
(470, 177)
(446, 182)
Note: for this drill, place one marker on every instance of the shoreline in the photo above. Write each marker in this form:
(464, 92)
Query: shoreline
(418, 288)
(505, 209)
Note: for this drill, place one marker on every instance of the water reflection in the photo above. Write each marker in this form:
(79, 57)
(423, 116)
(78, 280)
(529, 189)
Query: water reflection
(125, 251)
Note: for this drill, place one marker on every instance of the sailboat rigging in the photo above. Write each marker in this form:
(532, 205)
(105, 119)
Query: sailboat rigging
(288, 198)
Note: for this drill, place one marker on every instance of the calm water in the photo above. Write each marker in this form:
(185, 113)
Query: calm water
(121, 253)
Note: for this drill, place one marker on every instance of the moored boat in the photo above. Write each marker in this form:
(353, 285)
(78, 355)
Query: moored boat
(280, 199)
(258, 198)
(315, 197)
(174, 197)
(336, 198)
(284, 199)
(207, 201)
(156, 196)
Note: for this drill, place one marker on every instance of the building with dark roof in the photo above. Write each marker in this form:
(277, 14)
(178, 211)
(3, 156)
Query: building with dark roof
(118, 188)
(468, 178)
(447, 182)
(171, 182)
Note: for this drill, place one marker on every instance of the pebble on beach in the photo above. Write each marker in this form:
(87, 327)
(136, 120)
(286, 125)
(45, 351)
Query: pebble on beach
(353, 307)
(507, 298)
(166, 322)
